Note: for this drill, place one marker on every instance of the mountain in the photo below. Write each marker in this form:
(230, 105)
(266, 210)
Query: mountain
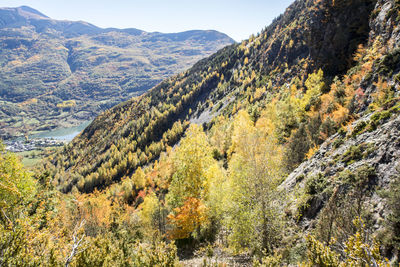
(60, 73)
(284, 147)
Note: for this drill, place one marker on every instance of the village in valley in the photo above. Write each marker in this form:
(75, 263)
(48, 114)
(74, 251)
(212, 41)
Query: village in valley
(22, 145)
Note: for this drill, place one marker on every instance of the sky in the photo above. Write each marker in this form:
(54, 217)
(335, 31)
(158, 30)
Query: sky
(237, 18)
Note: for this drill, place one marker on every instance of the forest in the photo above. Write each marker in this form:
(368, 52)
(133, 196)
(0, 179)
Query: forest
(282, 150)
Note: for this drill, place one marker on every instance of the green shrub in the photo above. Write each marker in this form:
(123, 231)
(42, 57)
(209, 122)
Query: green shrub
(395, 109)
(380, 116)
(377, 118)
(359, 128)
(156, 254)
(392, 235)
(397, 77)
(300, 178)
(389, 62)
(353, 154)
(316, 184)
(359, 179)
(342, 132)
(338, 142)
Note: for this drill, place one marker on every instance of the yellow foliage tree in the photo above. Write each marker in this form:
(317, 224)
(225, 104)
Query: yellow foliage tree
(139, 178)
(254, 201)
(382, 94)
(16, 184)
(189, 187)
(150, 215)
(315, 85)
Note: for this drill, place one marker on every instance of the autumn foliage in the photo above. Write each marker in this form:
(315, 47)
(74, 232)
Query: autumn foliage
(187, 219)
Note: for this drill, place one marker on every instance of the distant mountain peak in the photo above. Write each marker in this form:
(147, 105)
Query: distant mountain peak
(26, 12)
(31, 12)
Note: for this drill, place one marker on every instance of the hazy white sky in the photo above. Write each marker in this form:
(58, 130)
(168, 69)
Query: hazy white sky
(237, 18)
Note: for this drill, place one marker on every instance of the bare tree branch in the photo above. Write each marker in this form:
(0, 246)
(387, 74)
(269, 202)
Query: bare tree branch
(5, 215)
(76, 243)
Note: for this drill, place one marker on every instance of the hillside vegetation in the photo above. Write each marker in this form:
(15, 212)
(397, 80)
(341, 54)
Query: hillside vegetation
(281, 150)
(60, 73)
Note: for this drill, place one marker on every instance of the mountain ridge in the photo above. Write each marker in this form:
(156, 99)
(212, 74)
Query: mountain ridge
(31, 13)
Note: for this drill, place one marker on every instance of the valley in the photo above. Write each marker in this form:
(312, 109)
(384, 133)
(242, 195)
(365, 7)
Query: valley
(60, 73)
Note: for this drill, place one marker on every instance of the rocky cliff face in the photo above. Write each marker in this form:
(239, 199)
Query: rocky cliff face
(384, 28)
(366, 152)
(384, 22)
(348, 151)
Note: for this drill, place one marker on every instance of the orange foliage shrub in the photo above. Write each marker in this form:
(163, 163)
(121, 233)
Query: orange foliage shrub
(340, 115)
(187, 218)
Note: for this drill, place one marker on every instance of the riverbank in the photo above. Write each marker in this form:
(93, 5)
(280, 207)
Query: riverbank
(36, 146)
(62, 134)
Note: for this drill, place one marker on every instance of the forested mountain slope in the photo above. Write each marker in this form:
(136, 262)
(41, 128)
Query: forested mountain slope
(283, 147)
(58, 73)
(247, 75)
